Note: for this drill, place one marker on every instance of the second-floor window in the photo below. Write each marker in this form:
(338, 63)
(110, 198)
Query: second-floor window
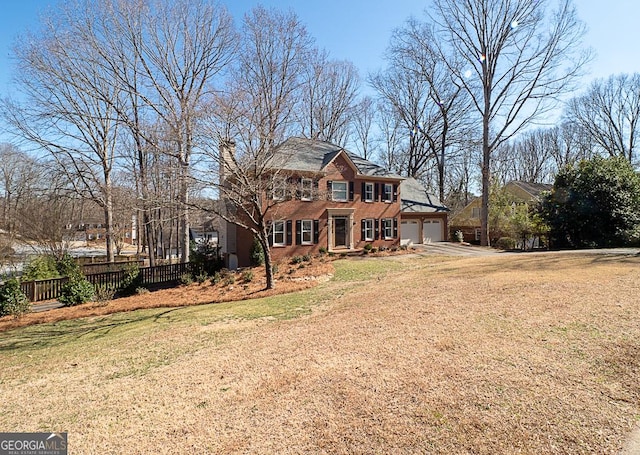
(279, 188)
(339, 191)
(367, 192)
(387, 192)
(306, 189)
(475, 212)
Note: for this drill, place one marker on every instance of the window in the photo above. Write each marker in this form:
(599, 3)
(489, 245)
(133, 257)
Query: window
(306, 232)
(278, 233)
(387, 228)
(367, 192)
(478, 234)
(306, 189)
(339, 191)
(387, 192)
(368, 229)
(279, 189)
(475, 212)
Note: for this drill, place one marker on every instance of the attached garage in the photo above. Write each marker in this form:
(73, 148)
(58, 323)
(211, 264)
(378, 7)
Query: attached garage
(431, 231)
(409, 232)
(423, 216)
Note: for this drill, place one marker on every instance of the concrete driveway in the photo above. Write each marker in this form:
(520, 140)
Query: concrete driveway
(456, 249)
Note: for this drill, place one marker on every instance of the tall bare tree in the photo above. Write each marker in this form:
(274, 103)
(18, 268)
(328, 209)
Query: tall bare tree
(68, 106)
(328, 98)
(442, 118)
(520, 55)
(256, 115)
(363, 122)
(609, 112)
(19, 175)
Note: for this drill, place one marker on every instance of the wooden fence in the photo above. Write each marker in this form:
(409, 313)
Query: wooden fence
(149, 276)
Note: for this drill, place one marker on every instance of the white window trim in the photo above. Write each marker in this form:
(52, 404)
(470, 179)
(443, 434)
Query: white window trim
(306, 194)
(478, 234)
(283, 232)
(475, 212)
(303, 231)
(387, 223)
(368, 185)
(346, 190)
(369, 228)
(385, 192)
(279, 189)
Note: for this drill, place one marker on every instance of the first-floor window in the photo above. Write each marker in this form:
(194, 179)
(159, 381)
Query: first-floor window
(368, 229)
(278, 232)
(478, 234)
(387, 228)
(306, 232)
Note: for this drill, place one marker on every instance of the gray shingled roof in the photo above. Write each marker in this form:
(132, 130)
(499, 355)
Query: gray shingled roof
(416, 199)
(309, 155)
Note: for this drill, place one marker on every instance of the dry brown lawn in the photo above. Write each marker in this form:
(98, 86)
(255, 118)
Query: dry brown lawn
(529, 354)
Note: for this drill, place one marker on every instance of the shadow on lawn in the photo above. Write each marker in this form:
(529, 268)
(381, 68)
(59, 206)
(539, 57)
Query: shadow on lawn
(41, 336)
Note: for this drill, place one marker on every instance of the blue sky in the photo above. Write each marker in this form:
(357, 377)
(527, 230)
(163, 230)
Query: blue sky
(359, 30)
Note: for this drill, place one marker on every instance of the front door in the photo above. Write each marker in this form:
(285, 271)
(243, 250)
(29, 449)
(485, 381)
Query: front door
(340, 232)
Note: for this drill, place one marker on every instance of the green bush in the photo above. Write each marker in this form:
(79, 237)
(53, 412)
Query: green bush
(505, 243)
(368, 247)
(40, 268)
(132, 280)
(201, 277)
(186, 279)
(104, 293)
(76, 291)
(322, 251)
(247, 276)
(307, 258)
(257, 253)
(67, 266)
(296, 260)
(12, 299)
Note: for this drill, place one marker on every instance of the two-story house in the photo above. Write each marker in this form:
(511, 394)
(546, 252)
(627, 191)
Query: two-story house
(327, 198)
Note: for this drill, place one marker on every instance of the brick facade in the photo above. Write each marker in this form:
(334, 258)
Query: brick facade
(304, 226)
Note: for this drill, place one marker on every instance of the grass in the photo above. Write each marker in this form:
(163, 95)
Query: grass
(508, 354)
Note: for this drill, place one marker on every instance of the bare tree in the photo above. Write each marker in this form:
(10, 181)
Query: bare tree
(569, 143)
(609, 112)
(68, 106)
(363, 121)
(520, 55)
(257, 114)
(328, 101)
(18, 176)
(442, 118)
(527, 158)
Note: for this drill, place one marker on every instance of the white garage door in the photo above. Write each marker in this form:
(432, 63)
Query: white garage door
(431, 231)
(409, 232)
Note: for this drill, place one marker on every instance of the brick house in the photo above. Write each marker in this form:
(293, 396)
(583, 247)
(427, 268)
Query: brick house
(328, 198)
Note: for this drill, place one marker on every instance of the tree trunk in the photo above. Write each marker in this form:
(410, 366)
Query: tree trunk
(268, 264)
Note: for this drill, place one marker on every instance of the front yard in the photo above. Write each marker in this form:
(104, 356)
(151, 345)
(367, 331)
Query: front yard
(503, 354)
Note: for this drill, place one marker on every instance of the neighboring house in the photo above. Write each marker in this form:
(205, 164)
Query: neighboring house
(424, 217)
(329, 199)
(467, 220)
